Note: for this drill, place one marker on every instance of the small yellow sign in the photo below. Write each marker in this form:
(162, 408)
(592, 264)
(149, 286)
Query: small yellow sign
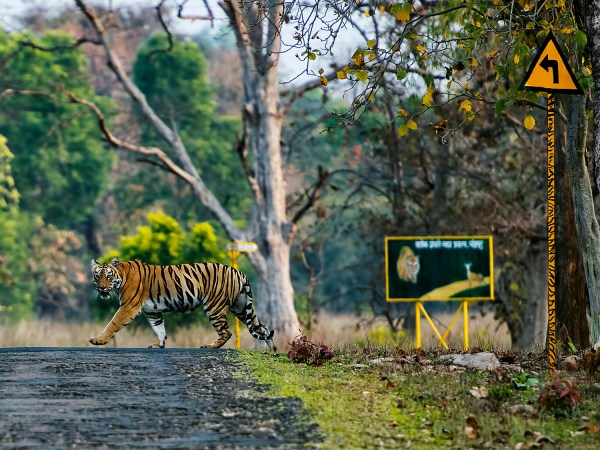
(550, 71)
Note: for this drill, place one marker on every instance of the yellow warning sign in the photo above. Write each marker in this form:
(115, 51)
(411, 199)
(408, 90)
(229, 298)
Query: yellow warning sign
(550, 71)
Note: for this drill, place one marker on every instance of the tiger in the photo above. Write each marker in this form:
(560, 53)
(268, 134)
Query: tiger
(154, 290)
(408, 265)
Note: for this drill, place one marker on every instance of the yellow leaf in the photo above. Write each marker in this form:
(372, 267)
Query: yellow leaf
(372, 56)
(312, 56)
(402, 15)
(402, 113)
(321, 71)
(323, 81)
(412, 125)
(403, 130)
(470, 115)
(428, 98)
(362, 75)
(372, 43)
(367, 12)
(492, 53)
(567, 30)
(420, 48)
(466, 105)
(516, 59)
(381, 9)
(529, 122)
(341, 75)
(371, 96)
(474, 62)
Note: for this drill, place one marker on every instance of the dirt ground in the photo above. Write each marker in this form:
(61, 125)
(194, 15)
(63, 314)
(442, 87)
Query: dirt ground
(54, 398)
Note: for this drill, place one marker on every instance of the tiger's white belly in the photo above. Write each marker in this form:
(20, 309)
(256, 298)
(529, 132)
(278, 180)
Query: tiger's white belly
(165, 305)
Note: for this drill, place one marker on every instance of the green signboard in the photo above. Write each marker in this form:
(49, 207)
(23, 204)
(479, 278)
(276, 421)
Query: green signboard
(439, 268)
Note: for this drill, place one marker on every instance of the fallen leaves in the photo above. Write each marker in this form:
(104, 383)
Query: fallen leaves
(479, 392)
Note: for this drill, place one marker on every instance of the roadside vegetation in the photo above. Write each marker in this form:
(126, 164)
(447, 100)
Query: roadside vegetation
(373, 396)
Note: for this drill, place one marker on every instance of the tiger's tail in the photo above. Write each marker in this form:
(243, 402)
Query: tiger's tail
(243, 309)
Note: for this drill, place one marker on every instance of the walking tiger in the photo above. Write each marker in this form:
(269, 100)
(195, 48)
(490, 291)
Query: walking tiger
(155, 290)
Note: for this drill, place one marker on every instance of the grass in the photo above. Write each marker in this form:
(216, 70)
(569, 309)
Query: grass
(422, 405)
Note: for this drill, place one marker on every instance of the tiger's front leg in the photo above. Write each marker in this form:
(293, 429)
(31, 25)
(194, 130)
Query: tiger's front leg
(124, 315)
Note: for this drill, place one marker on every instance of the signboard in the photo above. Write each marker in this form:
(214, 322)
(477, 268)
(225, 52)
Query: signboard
(439, 268)
(550, 71)
(242, 247)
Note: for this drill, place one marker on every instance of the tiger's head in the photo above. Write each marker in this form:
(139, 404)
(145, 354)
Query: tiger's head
(107, 280)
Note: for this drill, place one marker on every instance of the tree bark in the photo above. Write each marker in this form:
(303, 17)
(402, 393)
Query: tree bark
(571, 289)
(259, 43)
(588, 230)
(535, 317)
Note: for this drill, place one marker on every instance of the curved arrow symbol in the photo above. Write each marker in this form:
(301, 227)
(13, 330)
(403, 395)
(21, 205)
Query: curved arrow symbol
(548, 64)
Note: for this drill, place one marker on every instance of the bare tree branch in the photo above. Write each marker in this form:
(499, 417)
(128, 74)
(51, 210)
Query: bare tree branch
(76, 44)
(182, 16)
(188, 170)
(118, 143)
(312, 195)
(164, 27)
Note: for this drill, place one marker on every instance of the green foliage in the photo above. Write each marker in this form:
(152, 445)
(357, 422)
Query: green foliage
(60, 165)
(163, 241)
(17, 289)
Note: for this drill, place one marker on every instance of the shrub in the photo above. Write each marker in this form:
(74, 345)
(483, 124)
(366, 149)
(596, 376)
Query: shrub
(559, 396)
(304, 351)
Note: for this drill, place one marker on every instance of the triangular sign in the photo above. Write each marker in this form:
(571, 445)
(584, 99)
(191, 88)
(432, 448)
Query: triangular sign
(550, 71)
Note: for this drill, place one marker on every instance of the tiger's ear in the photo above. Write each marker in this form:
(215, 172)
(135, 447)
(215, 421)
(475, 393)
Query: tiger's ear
(115, 262)
(93, 264)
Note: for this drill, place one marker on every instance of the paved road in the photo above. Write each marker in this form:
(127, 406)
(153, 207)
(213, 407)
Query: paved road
(54, 398)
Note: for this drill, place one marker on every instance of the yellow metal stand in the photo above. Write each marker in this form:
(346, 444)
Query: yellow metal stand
(234, 254)
(419, 308)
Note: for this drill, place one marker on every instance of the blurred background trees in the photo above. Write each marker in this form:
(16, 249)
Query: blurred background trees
(457, 173)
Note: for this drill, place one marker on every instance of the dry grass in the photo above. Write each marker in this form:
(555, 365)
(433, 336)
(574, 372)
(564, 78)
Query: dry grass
(335, 330)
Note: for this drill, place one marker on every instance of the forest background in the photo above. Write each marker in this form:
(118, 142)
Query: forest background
(66, 196)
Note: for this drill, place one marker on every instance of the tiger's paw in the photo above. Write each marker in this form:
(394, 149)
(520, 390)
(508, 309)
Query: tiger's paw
(97, 341)
(156, 345)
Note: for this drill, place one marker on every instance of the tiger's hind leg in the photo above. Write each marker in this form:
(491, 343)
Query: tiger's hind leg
(157, 323)
(219, 323)
(242, 308)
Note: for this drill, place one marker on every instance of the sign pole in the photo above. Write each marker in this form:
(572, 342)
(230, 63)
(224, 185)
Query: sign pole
(236, 248)
(550, 72)
(237, 321)
(551, 241)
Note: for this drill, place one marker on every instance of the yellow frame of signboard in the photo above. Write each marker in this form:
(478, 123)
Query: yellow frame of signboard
(420, 309)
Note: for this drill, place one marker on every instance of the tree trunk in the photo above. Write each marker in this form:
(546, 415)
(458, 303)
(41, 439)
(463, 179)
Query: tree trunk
(571, 290)
(259, 43)
(588, 231)
(534, 323)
